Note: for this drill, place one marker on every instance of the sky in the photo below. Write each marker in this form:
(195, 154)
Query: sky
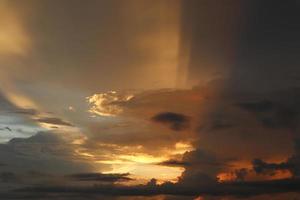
(155, 100)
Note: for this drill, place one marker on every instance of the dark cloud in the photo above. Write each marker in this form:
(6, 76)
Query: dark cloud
(264, 36)
(283, 111)
(2, 164)
(6, 128)
(55, 121)
(5, 104)
(282, 118)
(202, 169)
(292, 164)
(234, 124)
(100, 177)
(259, 106)
(175, 121)
(8, 177)
(45, 150)
(174, 162)
(262, 167)
(240, 174)
(241, 189)
(221, 125)
(39, 139)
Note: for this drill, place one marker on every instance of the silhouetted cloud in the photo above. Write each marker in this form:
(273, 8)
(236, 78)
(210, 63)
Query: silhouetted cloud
(100, 177)
(44, 151)
(175, 121)
(240, 174)
(173, 162)
(292, 164)
(241, 189)
(202, 169)
(262, 167)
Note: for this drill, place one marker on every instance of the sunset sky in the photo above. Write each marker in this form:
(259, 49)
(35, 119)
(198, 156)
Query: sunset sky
(150, 99)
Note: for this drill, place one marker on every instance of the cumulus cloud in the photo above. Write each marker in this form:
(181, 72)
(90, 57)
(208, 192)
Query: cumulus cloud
(229, 130)
(44, 151)
(228, 124)
(223, 130)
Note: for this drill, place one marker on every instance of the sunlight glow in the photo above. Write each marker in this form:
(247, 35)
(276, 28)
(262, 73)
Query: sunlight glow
(13, 39)
(143, 158)
(108, 103)
(182, 147)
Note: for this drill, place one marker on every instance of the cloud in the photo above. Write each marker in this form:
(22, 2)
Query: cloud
(26, 111)
(174, 162)
(45, 150)
(292, 164)
(221, 124)
(202, 169)
(107, 104)
(139, 123)
(229, 134)
(242, 132)
(175, 121)
(13, 119)
(240, 174)
(8, 177)
(259, 106)
(261, 167)
(240, 189)
(100, 177)
(54, 121)
(201, 165)
(283, 111)
(5, 128)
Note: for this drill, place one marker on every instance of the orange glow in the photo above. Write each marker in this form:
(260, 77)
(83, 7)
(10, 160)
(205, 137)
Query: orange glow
(199, 198)
(281, 174)
(182, 147)
(225, 177)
